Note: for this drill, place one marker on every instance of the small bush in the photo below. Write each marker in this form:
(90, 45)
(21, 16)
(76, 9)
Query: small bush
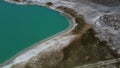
(49, 3)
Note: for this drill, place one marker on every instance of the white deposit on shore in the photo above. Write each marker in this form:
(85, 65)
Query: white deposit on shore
(57, 42)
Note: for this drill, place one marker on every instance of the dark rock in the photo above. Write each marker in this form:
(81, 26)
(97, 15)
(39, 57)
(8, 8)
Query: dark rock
(108, 29)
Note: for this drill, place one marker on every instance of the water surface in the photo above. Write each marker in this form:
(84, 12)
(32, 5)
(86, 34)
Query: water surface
(23, 26)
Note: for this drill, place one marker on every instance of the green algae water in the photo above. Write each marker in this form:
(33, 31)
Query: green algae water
(23, 25)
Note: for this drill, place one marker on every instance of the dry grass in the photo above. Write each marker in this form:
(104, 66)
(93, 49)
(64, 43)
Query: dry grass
(84, 50)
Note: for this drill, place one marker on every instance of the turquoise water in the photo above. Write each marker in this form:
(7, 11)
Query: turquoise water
(23, 26)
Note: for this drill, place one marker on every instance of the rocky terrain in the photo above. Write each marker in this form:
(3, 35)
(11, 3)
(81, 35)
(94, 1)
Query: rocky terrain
(92, 40)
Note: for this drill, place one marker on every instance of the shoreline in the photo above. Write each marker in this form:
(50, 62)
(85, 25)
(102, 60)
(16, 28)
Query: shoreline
(71, 26)
(37, 44)
(66, 48)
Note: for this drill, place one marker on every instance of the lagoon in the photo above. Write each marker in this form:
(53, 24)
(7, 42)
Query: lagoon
(24, 25)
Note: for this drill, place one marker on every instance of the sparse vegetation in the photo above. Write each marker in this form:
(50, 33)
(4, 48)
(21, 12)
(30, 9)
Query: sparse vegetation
(84, 50)
(68, 10)
(80, 24)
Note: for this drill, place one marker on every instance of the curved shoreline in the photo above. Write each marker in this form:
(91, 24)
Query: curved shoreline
(56, 44)
(37, 44)
(72, 24)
